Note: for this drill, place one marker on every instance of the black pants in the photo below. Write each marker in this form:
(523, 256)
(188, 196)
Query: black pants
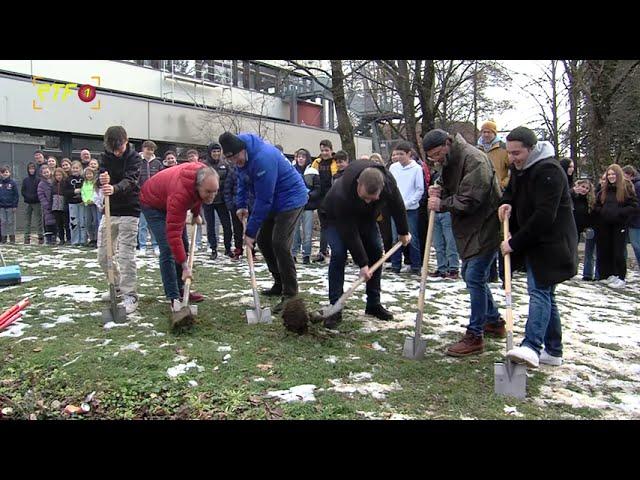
(225, 220)
(67, 227)
(385, 229)
(238, 230)
(275, 239)
(611, 242)
(324, 241)
(60, 230)
(50, 233)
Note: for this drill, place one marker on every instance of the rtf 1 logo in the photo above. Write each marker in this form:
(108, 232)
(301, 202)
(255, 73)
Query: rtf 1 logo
(62, 91)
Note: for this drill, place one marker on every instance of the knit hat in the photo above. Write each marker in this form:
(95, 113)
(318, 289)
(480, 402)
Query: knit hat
(214, 146)
(490, 125)
(231, 144)
(434, 138)
(524, 135)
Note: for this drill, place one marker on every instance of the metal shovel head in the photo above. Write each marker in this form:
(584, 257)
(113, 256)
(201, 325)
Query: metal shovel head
(259, 315)
(117, 316)
(510, 379)
(413, 349)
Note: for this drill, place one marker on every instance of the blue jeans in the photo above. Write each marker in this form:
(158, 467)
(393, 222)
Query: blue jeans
(475, 272)
(373, 246)
(91, 221)
(445, 243)
(306, 224)
(142, 233)
(634, 238)
(543, 324)
(414, 246)
(170, 270)
(589, 253)
(76, 224)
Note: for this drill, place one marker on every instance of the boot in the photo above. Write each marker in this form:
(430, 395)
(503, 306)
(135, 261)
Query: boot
(27, 239)
(470, 344)
(273, 291)
(12, 239)
(496, 329)
(379, 311)
(228, 252)
(214, 254)
(306, 260)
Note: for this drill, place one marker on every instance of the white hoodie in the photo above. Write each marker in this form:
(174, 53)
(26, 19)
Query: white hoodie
(410, 182)
(541, 150)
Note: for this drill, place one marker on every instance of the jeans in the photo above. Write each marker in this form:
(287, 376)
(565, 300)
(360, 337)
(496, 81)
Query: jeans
(8, 221)
(414, 246)
(305, 223)
(33, 210)
(589, 251)
(77, 224)
(543, 324)
(370, 237)
(475, 272)
(91, 221)
(274, 239)
(170, 270)
(445, 243)
(142, 233)
(634, 238)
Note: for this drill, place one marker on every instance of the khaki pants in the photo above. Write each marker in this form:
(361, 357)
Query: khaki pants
(124, 237)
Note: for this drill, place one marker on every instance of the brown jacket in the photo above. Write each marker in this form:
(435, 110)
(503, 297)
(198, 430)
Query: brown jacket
(470, 191)
(500, 160)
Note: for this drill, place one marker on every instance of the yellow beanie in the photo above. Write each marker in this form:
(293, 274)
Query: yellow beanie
(490, 125)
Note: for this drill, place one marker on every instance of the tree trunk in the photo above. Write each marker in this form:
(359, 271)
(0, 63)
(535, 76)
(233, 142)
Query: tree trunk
(345, 128)
(403, 83)
(571, 69)
(426, 94)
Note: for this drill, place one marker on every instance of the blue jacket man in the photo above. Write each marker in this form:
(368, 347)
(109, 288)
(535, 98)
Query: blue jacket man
(280, 196)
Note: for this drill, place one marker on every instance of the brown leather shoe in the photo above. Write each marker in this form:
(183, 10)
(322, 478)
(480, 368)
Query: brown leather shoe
(469, 345)
(496, 330)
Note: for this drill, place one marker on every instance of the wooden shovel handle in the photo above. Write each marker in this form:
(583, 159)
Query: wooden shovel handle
(507, 278)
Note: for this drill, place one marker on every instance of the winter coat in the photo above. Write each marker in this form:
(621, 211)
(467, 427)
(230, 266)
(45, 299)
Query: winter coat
(634, 221)
(470, 191)
(70, 184)
(326, 169)
(581, 214)
(231, 190)
(174, 191)
(45, 189)
(87, 192)
(272, 179)
(57, 196)
(312, 181)
(222, 167)
(29, 188)
(9, 195)
(148, 169)
(497, 153)
(613, 213)
(544, 233)
(343, 208)
(124, 173)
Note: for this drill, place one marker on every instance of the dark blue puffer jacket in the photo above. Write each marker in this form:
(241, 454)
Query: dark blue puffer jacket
(273, 180)
(9, 194)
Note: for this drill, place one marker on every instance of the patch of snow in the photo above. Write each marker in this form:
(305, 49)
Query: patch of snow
(61, 319)
(300, 393)
(134, 347)
(359, 377)
(78, 293)
(512, 411)
(378, 347)
(173, 372)
(376, 390)
(331, 359)
(26, 339)
(224, 348)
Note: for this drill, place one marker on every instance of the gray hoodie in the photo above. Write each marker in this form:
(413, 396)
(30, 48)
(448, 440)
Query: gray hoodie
(541, 150)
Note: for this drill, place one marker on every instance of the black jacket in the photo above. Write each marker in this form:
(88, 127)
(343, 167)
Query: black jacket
(29, 188)
(149, 169)
(124, 173)
(343, 208)
(312, 181)
(223, 168)
(70, 184)
(545, 232)
(611, 212)
(581, 213)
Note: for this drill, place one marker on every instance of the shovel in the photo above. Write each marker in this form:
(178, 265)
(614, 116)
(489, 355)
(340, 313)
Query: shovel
(414, 347)
(114, 313)
(257, 315)
(510, 377)
(187, 312)
(337, 307)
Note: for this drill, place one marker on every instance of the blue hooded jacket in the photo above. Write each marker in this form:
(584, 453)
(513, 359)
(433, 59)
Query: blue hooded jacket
(272, 179)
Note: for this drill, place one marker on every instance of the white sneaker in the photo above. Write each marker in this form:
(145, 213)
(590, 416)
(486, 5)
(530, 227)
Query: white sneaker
(405, 269)
(610, 279)
(142, 252)
(130, 303)
(524, 355)
(617, 283)
(106, 297)
(550, 359)
(156, 251)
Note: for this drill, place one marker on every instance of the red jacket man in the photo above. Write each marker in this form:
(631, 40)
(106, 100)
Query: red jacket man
(165, 199)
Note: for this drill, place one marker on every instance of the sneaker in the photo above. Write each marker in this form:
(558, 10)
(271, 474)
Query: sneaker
(550, 359)
(320, 258)
(194, 297)
(156, 251)
(106, 297)
(274, 291)
(405, 269)
(452, 275)
(142, 252)
(332, 321)
(525, 356)
(470, 344)
(306, 260)
(617, 283)
(380, 312)
(495, 329)
(214, 254)
(237, 254)
(130, 303)
(228, 253)
(438, 274)
(609, 280)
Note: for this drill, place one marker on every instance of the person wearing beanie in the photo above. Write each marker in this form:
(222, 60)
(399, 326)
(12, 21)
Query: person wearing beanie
(543, 239)
(469, 190)
(221, 166)
(280, 196)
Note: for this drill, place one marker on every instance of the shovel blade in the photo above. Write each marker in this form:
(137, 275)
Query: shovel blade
(510, 380)
(117, 316)
(259, 316)
(265, 315)
(413, 349)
